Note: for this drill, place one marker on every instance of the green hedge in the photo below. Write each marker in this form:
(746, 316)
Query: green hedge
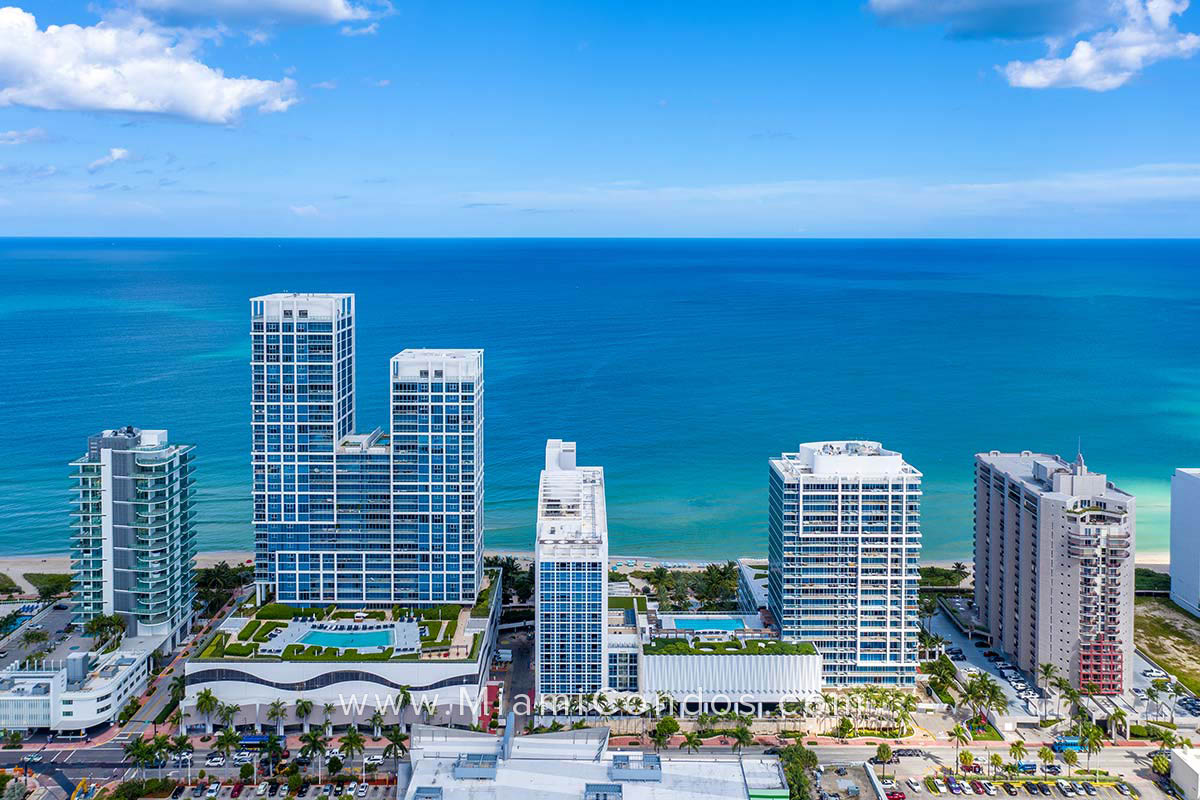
(216, 649)
(752, 647)
(265, 631)
(241, 650)
(276, 611)
(248, 630)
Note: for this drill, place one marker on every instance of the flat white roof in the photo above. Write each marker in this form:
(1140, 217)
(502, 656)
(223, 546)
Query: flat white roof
(850, 458)
(571, 507)
(454, 364)
(706, 776)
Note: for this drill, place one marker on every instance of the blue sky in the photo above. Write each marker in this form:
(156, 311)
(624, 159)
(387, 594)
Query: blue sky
(526, 118)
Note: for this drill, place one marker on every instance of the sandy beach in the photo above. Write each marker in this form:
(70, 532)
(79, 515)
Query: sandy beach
(16, 566)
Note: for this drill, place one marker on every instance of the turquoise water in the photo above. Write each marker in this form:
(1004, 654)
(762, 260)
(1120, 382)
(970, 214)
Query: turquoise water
(344, 641)
(707, 624)
(679, 365)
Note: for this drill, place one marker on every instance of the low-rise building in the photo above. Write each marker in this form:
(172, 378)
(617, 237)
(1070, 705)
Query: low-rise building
(461, 765)
(442, 661)
(75, 694)
(1185, 772)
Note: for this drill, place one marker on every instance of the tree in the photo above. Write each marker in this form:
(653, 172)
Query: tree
(228, 740)
(741, 738)
(396, 748)
(965, 759)
(313, 746)
(1046, 756)
(304, 707)
(844, 728)
(139, 753)
(181, 746)
(1070, 758)
(1092, 741)
(277, 713)
(1117, 720)
(691, 742)
(1161, 764)
(1017, 750)
(959, 735)
(995, 761)
(377, 724)
(246, 772)
(659, 738)
(207, 704)
(353, 744)
(883, 754)
(329, 709)
(160, 746)
(1046, 674)
(34, 637)
(959, 570)
(227, 713)
(178, 688)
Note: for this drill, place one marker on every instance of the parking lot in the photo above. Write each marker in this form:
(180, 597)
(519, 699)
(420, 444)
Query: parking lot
(845, 781)
(1017, 707)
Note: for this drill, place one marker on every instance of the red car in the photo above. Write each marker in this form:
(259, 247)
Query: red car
(976, 787)
(895, 796)
(972, 768)
(237, 790)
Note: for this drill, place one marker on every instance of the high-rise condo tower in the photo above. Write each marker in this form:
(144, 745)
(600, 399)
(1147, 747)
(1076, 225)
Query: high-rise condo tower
(1054, 574)
(133, 547)
(843, 553)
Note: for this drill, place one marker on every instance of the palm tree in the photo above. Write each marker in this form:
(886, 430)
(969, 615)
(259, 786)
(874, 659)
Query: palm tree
(959, 570)
(660, 738)
(1092, 741)
(277, 713)
(995, 761)
(1070, 758)
(160, 745)
(1017, 750)
(691, 742)
(883, 754)
(207, 704)
(960, 737)
(178, 688)
(1046, 673)
(181, 746)
(741, 738)
(1172, 690)
(176, 721)
(304, 707)
(1117, 719)
(353, 743)
(313, 746)
(1046, 756)
(403, 701)
(228, 740)
(397, 746)
(377, 724)
(139, 753)
(1151, 700)
(227, 713)
(966, 758)
(273, 748)
(329, 709)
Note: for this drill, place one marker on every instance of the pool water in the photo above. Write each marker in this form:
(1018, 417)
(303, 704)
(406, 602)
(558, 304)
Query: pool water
(708, 623)
(344, 640)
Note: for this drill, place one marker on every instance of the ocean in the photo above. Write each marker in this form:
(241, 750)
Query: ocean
(680, 366)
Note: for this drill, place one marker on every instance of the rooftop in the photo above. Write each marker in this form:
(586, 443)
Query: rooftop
(449, 364)
(571, 507)
(850, 458)
(1047, 474)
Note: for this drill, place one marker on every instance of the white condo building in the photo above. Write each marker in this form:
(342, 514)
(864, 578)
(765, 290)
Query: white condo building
(571, 557)
(133, 546)
(361, 519)
(843, 555)
(1054, 570)
(1185, 539)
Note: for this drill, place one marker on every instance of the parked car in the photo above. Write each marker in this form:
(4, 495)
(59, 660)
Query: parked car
(214, 789)
(177, 792)
(1009, 789)
(1090, 789)
(215, 760)
(895, 796)
(1052, 769)
(1031, 788)
(1044, 788)
(1123, 789)
(939, 786)
(362, 789)
(988, 788)
(976, 787)
(374, 758)
(975, 768)
(888, 785)
(199, 790)
(914, 785)
(273, 790)
(261, 791)
(237, 790)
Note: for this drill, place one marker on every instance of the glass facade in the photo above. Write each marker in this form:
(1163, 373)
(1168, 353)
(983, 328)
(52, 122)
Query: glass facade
(844, 554)
(570, 626)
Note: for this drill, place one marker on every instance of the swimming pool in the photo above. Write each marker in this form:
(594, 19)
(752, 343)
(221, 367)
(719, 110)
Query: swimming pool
(344, 640)
(707, 623)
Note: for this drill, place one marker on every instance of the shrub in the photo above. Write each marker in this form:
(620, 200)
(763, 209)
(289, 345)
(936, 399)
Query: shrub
(275, 611)
(248, 630)
(242, 650)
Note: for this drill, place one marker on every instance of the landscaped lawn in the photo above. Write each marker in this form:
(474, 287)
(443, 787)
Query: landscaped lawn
(1170, 636)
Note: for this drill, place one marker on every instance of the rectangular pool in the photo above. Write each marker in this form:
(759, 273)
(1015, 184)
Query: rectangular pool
(344, 640)
(707, 623)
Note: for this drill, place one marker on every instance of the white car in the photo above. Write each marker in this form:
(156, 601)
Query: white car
(914, 785)
(262, 788)
(989, 788)
(888, 785)
(215, 760)
(375, 759)
(939, 786)
(214, 789)
(351, 788)
(362, 789)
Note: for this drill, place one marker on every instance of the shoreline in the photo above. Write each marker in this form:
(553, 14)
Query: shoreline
(15, 566)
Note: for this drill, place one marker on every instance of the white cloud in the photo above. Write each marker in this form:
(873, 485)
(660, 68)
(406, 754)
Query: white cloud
(325, 85)
(305, 211)
(362, 30)
(1110, 58)
(131, 65)
(115, 154)
(319, 10)
(22, 137)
